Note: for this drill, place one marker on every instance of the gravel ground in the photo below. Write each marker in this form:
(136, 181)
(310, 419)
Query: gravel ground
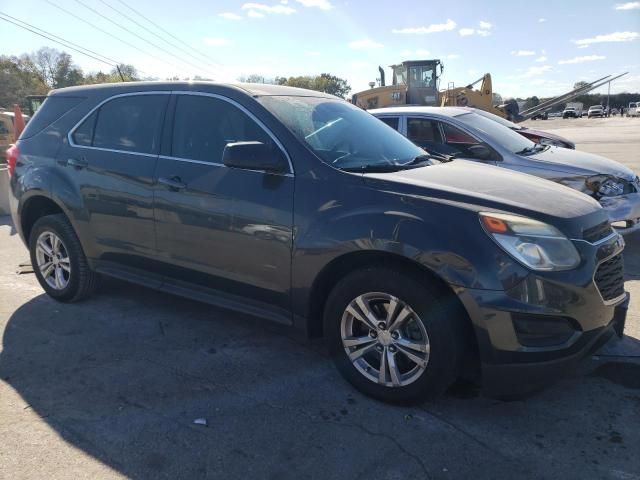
(111, 387)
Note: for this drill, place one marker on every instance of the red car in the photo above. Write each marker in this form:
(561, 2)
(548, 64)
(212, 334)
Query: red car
(536, 136)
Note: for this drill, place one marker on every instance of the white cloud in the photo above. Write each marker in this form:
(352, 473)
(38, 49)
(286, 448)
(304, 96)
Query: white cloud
(230, 16)
(365, 44)
(321, 4)
(433, 28)
(422, 51)
(535, 71)
(262, 8)
(465, 32)
(254, 14)
(485, 25)
(586, 58)
(484, 33)
(311, 53)
(542, 20)
(611, 37)
(523, 53)
(583, 46)
(628, 6)
(453, 56)
(541, 59)
(216, 42)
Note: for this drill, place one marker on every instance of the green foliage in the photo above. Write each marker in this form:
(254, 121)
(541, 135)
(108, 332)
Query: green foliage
(531, 102)
(39, 72)
(325, 82)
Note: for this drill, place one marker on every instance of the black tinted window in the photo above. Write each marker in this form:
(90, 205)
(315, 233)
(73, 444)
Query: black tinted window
(83, 135)
(203, 126)
(131, 123)
(391, 121)
(51, 110)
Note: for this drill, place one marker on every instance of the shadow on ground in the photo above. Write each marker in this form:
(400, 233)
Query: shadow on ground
(124, 375)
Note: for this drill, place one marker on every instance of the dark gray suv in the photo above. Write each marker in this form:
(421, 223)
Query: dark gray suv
(302, 209)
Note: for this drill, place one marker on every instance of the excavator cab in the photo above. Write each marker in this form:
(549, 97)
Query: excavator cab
(421, 79)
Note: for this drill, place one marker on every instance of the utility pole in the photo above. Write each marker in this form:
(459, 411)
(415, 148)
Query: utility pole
(608, 92)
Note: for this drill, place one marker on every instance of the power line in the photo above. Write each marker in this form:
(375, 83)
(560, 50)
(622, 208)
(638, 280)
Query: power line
(164, 31)
(109, 61)
(135, 34)
(173, 45)
(63, 43)
(110, 34)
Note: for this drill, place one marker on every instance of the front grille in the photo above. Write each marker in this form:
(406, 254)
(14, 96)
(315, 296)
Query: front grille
(598, 232)
(609, 278)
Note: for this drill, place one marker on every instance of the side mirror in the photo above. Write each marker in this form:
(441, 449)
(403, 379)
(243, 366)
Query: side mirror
(254, 156)
(480, 152)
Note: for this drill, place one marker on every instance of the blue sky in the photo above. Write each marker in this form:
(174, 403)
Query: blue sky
(529, 47)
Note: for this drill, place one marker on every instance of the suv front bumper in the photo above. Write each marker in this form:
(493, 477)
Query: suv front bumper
(534, 332)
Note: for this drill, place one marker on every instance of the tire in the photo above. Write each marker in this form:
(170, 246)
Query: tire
(430, 314)
(77, 280)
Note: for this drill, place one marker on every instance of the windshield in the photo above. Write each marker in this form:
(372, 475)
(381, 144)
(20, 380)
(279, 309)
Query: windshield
(498, 118)
(340, 134)
(503, 136)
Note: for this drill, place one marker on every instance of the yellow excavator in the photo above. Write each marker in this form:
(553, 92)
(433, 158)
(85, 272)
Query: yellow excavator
(416, 82)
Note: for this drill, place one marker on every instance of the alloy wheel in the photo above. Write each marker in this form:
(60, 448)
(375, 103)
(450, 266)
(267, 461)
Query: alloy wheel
(53, 260)
(384, 339)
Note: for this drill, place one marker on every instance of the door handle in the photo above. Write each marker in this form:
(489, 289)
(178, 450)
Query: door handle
(174, 183)
(77, 163)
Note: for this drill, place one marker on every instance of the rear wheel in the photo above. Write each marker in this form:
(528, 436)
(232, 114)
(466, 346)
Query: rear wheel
(390, 335)
(59, 261)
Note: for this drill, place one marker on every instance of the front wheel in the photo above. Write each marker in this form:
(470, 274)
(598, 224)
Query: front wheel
(391, 337)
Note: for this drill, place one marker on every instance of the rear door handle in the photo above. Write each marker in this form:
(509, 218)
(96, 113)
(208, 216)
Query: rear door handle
(77, 163)
(174, 183)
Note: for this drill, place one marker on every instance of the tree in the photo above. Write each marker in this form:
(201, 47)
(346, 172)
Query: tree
(56, 68)
(496, 99)
(324, 82)
(580, 84)
(531, 102)
(18, 78)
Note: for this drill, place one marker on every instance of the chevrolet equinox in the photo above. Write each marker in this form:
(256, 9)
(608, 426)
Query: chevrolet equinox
(300, 208)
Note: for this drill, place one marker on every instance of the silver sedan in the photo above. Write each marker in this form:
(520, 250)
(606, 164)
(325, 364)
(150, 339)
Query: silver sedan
(460, 133)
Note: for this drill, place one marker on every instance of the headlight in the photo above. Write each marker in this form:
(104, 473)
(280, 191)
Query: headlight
(605, 186)
(536, 245)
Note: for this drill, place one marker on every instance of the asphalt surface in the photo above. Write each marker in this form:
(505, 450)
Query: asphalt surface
(111, 387)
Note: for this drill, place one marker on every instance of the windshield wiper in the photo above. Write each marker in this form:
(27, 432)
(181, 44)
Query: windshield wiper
(538, 147)
(373, 168)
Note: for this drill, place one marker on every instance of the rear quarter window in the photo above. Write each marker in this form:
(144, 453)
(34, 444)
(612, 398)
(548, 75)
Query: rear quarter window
(52, 109)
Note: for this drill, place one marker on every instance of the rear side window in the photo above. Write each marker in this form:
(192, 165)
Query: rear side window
(204, 125)
(51, 110)
(83, 135)
(131, 123)
(393, 122)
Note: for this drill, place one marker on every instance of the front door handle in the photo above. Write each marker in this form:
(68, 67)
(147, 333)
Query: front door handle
(174, 183)
(77, 163)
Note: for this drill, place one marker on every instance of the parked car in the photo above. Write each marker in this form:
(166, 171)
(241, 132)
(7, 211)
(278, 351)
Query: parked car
(595, 111)
(467, 134)
(633, 110)
(573, 110)
(414, 269)
(536, 136)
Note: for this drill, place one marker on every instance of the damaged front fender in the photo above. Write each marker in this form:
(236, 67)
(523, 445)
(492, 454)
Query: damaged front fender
(623, 211)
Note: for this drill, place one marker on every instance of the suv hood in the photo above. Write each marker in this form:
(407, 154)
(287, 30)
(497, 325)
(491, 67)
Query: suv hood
(578, 163)
(479, 185)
